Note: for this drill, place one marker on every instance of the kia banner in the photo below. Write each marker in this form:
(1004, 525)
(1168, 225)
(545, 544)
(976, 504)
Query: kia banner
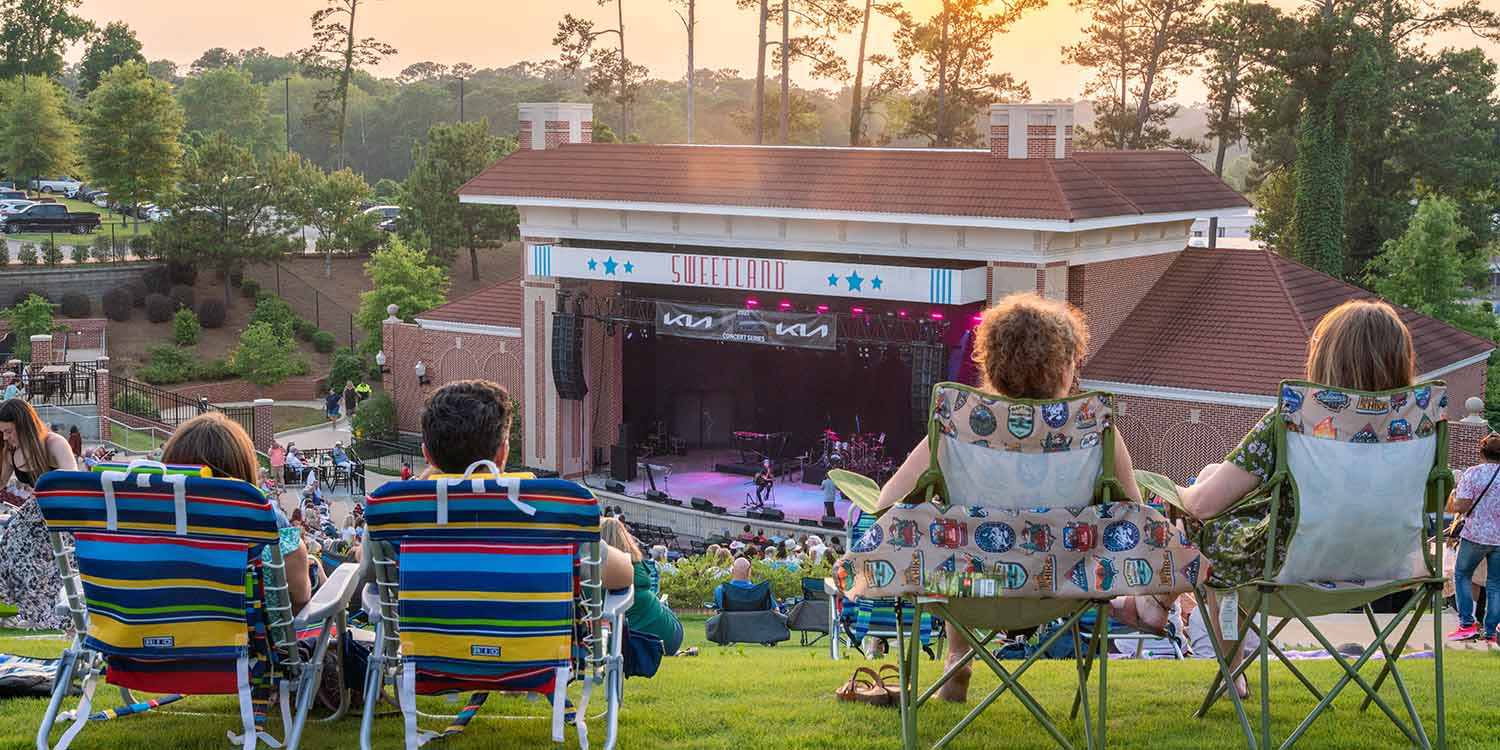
(805, 330)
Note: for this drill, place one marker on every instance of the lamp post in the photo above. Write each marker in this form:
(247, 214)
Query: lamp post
(380, 362)
(421, 371)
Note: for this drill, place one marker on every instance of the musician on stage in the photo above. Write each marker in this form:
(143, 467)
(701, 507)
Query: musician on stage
(830, 494)
(763, 481)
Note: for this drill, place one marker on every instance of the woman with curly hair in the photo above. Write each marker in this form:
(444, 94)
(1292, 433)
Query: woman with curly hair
(1028, 347)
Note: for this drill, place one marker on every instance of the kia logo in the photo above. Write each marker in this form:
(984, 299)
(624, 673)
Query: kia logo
(801, 329)
(686, 320)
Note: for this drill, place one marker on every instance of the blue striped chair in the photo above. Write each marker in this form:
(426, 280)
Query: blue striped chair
(488, 583)
(877, 616)
(172, 595)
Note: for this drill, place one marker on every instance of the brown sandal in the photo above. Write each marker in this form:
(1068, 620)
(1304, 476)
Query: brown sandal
(892, 673)
(871, 690)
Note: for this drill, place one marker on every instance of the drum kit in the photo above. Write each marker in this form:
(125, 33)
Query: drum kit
(862, 453)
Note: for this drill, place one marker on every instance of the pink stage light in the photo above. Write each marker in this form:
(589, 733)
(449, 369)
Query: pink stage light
(822, 308)
(937, 316)
(901, 313)
(785, 305)
(977, 319)
(858, 311)
(752, 302)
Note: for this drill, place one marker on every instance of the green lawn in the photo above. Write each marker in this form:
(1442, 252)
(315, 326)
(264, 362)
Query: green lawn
(758, 698)
(124, 227)
(136, 441)
(293, 417)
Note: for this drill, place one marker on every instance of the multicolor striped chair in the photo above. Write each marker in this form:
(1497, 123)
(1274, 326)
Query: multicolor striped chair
(173, 595)
(489, 584)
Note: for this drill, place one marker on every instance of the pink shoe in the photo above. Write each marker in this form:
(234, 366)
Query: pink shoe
(1465, 633)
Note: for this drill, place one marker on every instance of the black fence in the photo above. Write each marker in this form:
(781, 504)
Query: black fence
(154, 403)
(244, 415)
(305, 298)
(62, 384)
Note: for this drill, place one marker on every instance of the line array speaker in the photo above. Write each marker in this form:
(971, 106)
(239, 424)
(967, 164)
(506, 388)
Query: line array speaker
(567, 356)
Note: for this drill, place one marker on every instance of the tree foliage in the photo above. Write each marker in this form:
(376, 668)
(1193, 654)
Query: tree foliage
(29, 317)
(225, 100)
(131, 135)
(265, 357)
(37, 138)
(331, 203)
(400, 276)
(610, 73)
(34, 35)
(113, 46)
(337, 52)
(452, 155)
(1427, 270)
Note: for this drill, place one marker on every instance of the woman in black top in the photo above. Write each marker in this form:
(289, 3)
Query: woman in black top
(28, 574)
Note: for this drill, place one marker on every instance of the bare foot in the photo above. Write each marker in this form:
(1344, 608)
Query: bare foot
(956, 689)
(1242, 687)
(1140, 612)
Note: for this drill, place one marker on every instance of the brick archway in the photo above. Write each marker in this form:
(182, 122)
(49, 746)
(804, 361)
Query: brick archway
(1189, 446)
(1138, 441)
(505, 368)
(459, 364)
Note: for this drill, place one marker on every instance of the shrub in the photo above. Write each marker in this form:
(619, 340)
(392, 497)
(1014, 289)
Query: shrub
(51, 253)
(167, 364)
(305, 329)
(250, 288)
(692, 584)
(375, 418)
(182, 294)
(159, 308)
(156, 280)
(75, 305)
(116, 304)
(185, 327)
(213, 369)
(79, 253)
(27, 255)
(275, 312)
(104, 248)
(143, 246)
(347, 367)
(29, 317)
(136, 404)
(138, 293)
(182, 273)
(211, 313)
(323, 341)
(24, 294)
(265, 357)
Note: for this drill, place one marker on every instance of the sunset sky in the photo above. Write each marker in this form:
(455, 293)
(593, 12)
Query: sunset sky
(491, 33)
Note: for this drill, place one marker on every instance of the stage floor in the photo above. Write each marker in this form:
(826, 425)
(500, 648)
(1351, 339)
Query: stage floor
(693, 475)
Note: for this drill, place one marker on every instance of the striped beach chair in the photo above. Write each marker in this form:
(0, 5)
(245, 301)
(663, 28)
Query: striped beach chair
(172, 595)
(488, 583)
(874, 616)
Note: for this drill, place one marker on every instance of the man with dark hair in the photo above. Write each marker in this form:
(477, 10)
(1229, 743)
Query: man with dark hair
(469, 420)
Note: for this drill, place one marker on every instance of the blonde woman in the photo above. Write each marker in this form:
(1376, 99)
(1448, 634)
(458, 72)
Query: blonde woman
(646, 614)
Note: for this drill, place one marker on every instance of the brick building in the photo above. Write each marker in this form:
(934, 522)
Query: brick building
(893, 250)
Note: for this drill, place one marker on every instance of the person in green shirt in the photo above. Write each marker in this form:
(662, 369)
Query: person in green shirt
(647, 613)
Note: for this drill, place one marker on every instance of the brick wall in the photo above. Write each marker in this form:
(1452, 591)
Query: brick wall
(1107, 292)
(1000, 140)
(558, 133)
(523, 141)
(1463, 384)
(1178, 438)
(1041, 142)
(448, 357)
(89, 280)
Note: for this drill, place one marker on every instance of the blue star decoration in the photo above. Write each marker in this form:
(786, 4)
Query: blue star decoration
(833, 279)
(629, 267)
(876, 282)
(609, 266)
(855, 282)
(593, 264)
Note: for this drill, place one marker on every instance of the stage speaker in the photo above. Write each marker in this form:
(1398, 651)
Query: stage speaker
(833, 522)
(807, 522)
(656, 496)
(927, 362)
(567, 356)
(622, 463)
(700, 503)
(768, 514)
(614, 486)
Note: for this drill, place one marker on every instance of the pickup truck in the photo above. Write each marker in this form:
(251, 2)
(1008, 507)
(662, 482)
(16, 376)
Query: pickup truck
(50, 217)
(63, 185)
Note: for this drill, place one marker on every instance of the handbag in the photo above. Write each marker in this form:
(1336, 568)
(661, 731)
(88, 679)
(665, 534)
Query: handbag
(1452, 533)
(643, 653)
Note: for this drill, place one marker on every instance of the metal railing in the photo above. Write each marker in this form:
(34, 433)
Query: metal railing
(244, 415)
(154, 403)
(308, 301)
(62, 384)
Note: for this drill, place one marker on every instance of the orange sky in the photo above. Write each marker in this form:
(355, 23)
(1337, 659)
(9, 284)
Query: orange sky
(490, 33)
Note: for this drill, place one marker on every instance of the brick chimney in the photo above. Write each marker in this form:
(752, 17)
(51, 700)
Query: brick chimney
(1031, 131)
(547, 125)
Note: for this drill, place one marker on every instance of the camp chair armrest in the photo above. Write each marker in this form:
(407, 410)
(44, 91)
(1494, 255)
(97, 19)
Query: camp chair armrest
(617, 602)
(830, 588)
(332, 597)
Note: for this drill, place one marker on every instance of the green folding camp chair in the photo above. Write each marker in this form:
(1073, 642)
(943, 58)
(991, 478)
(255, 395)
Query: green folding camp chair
(1357, 476)
(1015, 523)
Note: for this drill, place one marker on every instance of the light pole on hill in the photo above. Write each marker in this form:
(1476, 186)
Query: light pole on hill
(288, 107)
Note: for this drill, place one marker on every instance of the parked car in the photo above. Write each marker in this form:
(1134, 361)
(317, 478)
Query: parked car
(86, 193)
(385, 213)
(64, 185)
(153, 212)
(12, 195)
(13, 205)
(100, 199)
(49, 217)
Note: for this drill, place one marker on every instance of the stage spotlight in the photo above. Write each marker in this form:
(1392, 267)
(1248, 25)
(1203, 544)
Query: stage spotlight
(822, 308)
(752, 302)
(937, 315)
(785, 305)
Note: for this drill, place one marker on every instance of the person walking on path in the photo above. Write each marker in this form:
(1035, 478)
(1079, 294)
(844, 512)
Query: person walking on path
(1478, 542)
(351, 399)
(331, 406)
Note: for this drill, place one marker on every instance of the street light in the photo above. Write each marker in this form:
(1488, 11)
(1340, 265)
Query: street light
(380, 362)
(421, 371)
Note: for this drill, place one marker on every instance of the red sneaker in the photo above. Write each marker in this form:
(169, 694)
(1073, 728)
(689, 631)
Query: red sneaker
(1465, 633)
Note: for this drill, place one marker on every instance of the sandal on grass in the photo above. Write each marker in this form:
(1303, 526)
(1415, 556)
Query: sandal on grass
(892, 673)
(863, 689)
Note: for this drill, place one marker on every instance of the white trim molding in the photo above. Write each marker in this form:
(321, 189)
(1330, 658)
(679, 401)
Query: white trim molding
(1459, 365)
(1193, 395)
(817, 214)
(451, 326)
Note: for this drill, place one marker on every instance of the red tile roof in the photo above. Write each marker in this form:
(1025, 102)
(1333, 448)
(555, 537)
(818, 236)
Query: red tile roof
(1237, 321)
(498, 305)
(901, 181)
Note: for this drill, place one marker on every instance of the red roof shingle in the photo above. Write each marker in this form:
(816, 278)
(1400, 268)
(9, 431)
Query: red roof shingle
(900, 181)
(498, 305)
(1237, 321)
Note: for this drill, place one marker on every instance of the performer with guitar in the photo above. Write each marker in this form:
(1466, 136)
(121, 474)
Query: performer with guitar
(763, 481)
